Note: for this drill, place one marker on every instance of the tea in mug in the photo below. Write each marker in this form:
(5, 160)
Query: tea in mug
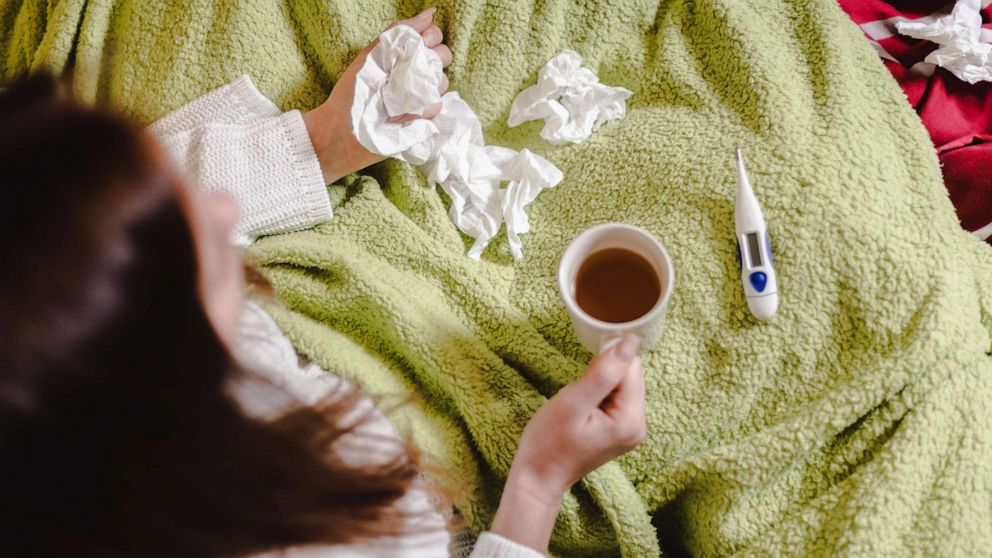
(617, 285)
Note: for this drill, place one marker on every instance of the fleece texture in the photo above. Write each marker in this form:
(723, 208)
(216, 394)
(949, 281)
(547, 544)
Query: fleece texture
(857, 422)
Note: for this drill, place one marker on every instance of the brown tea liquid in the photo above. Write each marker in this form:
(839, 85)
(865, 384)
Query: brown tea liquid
(616, 285)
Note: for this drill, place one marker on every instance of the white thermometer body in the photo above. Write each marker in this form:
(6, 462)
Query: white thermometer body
(757, 272)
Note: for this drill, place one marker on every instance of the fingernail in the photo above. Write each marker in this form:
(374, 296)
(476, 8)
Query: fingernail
(426, 13)
(628, 347)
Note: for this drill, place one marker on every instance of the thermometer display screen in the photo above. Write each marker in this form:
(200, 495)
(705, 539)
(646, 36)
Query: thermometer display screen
(753, 249)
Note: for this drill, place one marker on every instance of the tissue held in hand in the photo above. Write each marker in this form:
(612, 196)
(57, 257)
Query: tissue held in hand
(400, 77)
(959, 35)
(570, 99)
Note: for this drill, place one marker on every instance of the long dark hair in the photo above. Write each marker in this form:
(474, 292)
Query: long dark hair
(117, 433)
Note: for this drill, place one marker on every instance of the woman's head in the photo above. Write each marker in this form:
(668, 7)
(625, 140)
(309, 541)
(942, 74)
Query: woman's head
(99, 194)
(101, 253)
(117, 436)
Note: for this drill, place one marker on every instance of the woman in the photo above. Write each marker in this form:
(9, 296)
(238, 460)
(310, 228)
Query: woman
(128, 427)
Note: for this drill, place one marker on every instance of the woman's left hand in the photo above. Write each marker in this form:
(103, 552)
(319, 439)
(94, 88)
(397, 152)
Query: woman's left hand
(330, 125)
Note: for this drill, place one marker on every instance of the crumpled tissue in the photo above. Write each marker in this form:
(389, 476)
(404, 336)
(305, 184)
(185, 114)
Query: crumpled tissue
(959, 35)
(449, 149)
(570, 99)
(400, 76)
(527, 174)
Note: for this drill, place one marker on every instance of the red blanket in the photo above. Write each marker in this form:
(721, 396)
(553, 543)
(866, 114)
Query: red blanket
(958, 115)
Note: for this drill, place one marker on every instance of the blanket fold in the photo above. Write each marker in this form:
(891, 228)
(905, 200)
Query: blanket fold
(857, 422)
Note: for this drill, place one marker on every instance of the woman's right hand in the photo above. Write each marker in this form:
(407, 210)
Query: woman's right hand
(587, 423)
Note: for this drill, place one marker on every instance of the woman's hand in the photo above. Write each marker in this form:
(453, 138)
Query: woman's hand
(587, 423)
(329, 124)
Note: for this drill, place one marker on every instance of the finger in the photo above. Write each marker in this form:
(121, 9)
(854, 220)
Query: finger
(403, 118)
(419, 22)
(444, 84)
(605, 372)
(432, 36)
(444, 53)
(628, 398)
(431, 111)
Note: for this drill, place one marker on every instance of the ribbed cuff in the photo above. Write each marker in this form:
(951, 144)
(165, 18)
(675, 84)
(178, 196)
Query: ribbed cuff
(491, 545)
(313, 187)
(296, 198)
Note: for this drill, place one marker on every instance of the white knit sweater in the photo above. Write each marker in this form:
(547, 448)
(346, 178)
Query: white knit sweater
(235, 140)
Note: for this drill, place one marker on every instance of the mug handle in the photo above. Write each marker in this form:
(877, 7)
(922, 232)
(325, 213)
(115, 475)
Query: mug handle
(608, 341)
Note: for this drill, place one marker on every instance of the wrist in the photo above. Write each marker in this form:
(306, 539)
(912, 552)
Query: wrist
(527, 512)
(542, 485)
(325, 135)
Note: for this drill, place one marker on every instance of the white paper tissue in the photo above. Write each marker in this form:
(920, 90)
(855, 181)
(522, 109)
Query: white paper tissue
(570, 99)
(449, 149)
(400, 76)
(959, 35)
(528, 174)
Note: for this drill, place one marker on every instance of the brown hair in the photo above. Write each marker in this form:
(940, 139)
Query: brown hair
(117, 436)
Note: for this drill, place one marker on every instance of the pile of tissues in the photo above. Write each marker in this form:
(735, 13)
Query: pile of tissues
(962, 51)
(401, 76)
(470, 173)
(570, 99)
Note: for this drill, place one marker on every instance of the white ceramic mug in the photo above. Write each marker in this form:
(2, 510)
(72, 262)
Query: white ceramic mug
(598, 335)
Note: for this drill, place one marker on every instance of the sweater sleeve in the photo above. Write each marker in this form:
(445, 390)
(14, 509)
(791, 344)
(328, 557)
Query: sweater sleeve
(491, 545)
(235, 140)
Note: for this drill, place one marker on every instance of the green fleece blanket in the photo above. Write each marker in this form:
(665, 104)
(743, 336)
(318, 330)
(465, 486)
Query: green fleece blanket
(856, 422)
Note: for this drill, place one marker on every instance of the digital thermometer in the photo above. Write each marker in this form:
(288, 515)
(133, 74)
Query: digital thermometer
(757, 273)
